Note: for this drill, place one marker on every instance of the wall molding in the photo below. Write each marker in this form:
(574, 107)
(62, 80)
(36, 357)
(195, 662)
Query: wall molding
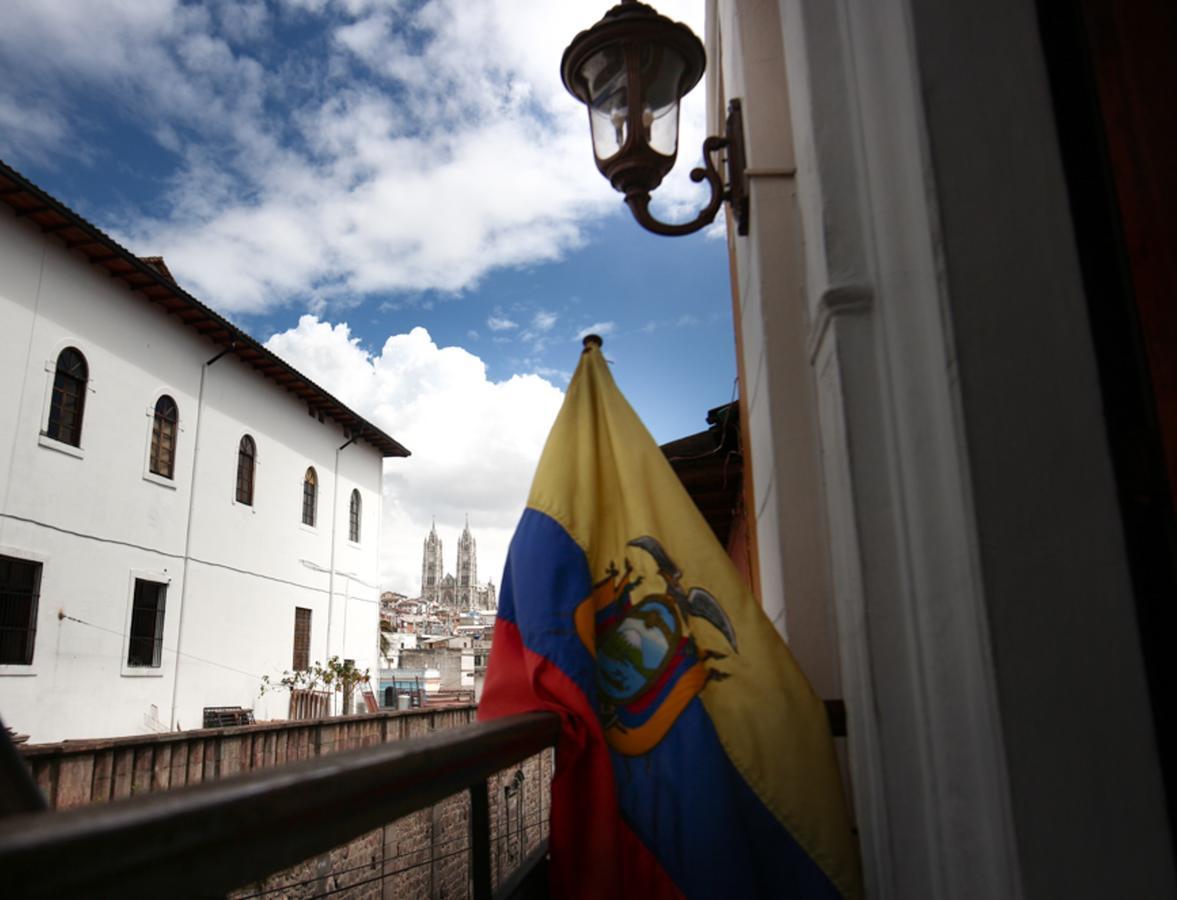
(836, 300)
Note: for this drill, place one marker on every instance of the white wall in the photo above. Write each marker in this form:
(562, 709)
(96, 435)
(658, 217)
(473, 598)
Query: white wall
(777, 390)
(96, 516)
(911, 245)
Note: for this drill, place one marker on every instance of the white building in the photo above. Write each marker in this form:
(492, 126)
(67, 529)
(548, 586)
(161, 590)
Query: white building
(951, 379)
(181, 512)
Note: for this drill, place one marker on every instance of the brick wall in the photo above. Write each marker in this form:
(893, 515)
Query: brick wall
(424, 855)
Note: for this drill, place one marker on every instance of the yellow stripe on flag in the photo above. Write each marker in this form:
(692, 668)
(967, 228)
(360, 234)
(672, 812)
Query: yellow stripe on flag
(604, 479)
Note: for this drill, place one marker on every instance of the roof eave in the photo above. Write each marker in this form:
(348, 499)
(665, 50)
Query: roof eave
(57, 220)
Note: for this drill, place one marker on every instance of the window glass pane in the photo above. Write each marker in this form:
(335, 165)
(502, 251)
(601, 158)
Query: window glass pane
(163, 437)
(69, 397)
(246, 454)
(353, 530)
(302, 639)
(662, 75)
(72, 363)
(309, 489)
(605, 75)
(145, 643)
(20, 587)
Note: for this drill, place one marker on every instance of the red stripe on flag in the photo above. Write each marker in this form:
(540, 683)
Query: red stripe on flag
(594, 853)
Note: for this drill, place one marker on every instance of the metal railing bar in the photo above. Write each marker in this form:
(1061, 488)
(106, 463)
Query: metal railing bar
(209, 838)
(480, 841)
(385, 872)
(521, 873)
(348, 887)
(526, 825)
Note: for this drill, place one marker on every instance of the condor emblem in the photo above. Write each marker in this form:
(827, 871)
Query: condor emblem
(648, 664)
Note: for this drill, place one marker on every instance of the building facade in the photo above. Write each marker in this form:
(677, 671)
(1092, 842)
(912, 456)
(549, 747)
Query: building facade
(960, 500)
(467, 571)
(460, 592)
(432, 566)
(181, 512)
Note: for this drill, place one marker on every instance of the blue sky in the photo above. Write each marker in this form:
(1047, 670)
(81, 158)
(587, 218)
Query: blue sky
(337, 175)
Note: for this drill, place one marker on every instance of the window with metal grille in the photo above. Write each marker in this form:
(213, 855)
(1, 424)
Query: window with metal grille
(145, 647)
(69, 398)
(302, 639)
(163, 437)
(246, 457)
(20, 589)
(353, 520)
(310, 490)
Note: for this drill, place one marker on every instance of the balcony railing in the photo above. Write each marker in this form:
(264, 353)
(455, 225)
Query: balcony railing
(208, 839)
(211, 838)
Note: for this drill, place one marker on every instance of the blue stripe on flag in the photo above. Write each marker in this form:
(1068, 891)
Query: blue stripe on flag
(694, 811)
(545, 565)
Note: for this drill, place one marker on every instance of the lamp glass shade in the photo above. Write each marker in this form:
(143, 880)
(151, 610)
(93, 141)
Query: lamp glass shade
(630, 70)
(662, 72)
(605, 75)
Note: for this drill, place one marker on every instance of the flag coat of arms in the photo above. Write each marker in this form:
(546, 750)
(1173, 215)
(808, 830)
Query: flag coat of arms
(694, 758)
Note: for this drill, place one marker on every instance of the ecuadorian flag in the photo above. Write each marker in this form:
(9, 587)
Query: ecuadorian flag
(695, 759)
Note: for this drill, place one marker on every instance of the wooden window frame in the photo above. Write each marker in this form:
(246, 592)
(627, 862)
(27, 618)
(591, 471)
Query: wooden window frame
(145, 631)
(301, 657)
(67, 404)
(354, 511)
(246, 465)
(165, 431)
(310, 496)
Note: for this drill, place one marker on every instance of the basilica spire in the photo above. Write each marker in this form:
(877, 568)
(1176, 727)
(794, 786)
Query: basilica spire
(432, 566)
(460, 591)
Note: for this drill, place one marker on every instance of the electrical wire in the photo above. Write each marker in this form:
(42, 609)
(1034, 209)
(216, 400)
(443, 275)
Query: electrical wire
(123, 635)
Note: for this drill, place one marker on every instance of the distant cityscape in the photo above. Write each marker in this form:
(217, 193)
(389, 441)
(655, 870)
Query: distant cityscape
(438, 642)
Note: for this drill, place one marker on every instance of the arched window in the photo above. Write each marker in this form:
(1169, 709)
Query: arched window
(353, 520)
(310, 490)
(163, 437)
(69, 397)
(246, 457)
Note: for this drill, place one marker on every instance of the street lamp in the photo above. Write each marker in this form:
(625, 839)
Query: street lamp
(631, 70)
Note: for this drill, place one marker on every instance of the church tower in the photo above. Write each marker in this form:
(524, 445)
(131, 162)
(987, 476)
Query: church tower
(467, 570)
(432, 569)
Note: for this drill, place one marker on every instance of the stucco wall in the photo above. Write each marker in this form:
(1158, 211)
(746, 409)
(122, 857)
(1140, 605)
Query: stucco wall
(94, 516)
(446, 661)
(914, 248)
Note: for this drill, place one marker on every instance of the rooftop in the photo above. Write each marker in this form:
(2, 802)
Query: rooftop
(149, 277)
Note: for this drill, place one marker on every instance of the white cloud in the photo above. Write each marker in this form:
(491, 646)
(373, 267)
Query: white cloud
(717, 230)
(548, 372)
(543, 321)
(28, 128)
(365, 162)
(498, 323)
(475, 442)
(600, 328)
